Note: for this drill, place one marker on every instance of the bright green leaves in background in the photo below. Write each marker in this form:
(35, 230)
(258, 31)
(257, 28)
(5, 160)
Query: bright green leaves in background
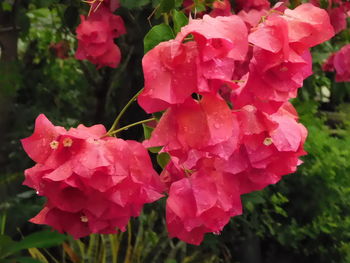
(44, 239)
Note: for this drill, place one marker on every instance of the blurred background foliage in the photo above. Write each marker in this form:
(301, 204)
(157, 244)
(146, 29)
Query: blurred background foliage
(304, 218)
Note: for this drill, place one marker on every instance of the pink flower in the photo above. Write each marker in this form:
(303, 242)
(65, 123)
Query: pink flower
(98, 182)
(252, 17)
(221, 8)
(342, 64)
(328, 66)
(308, 26)
(201, 203)
(196, 129)
(338, 18)
(280, 58)
(270, 147)
(252, 4)
(339, 62)
(174, 70)
(96, 38)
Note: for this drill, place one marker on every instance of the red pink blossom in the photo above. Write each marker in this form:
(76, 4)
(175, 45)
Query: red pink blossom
(340, 63)
(96, 181)
(199, 64)
(223, 83)
(96, 35)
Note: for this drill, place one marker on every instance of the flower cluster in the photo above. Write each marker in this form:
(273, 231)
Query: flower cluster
(224, 84)
(93, 183)
(228, 126)
(97, 32)
(340, 63)
(338, 12)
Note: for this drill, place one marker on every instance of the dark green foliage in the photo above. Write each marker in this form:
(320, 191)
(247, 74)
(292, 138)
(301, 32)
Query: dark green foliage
(304, 218)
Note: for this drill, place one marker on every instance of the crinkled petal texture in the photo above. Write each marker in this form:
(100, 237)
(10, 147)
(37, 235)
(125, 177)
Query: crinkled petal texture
(341, 62)
(271, 147)
(201, 58)
(227, 118)
(280, 60)
(196, 129)
(252, 4)
(200, 204)
(221, 8)
(93, 183)
(96, 38)
(308, 25)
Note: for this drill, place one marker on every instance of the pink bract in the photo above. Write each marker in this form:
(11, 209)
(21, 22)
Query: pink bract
(200, 204)
(97, 181)
(342, 64)
(195, 129)
(175, 69)
(252, 4)
(96, 38)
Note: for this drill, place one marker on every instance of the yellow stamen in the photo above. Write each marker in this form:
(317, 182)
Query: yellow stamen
(54, 145)
(268, 141)
(67, 142)
(84, 219)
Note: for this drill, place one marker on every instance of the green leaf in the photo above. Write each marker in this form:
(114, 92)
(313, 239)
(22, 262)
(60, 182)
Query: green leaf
(166, 6)
(5, 243)
(155, 149)
(157, 34)
(27, 260)
(134, 3)
(147, 131)
(178, 3)
(163, 159)
(254, 198)
(6, 6)
(41, 239)
(179, 20)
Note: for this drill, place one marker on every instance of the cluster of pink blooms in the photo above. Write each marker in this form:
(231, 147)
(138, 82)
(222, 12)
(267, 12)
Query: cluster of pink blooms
(224, 84)
(93, 183)
(97, 32)
(339, 63)
(228, 125)
(338, 11)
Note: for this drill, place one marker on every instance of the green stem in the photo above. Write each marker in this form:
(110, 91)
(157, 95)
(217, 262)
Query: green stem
(120, 115)
(3, 223)
(130, 125)
(166, 18)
